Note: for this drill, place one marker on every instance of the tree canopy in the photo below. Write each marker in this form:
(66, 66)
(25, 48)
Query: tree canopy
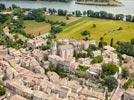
(109, 69)
(111, 83)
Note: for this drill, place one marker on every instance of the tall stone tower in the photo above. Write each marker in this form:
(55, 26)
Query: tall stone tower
(53, 49)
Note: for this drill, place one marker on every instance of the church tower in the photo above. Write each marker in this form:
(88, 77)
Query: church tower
(53, 49)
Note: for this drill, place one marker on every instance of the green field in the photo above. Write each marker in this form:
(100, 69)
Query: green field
(36, 28)
(104, 28)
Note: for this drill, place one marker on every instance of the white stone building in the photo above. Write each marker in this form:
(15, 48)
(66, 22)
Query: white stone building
(66, 51)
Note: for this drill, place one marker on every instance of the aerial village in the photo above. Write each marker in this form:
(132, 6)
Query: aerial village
(65, 69)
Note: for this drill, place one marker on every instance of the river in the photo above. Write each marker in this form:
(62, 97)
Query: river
(128, 7)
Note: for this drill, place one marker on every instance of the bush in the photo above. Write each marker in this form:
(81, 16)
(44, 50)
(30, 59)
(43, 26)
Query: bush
(120, 28)
(83, 67)
(109, 69)
(45, 47)
(97, 59)
(67, 17)
(56, 29)
(129, 83)
(84, 33)
(2, 91)
(81, 55)
(62, 23)
(94, 25)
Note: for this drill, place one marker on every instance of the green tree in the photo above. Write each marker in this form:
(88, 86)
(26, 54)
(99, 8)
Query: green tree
(109, 69)
(125, 48)
(119, 17)
(97, 59)
(90, 13)
(103, 14)
(62, 12)
(101, 43)
(18, 12)
(14, 6)
(78, 13)
(111, 42)
(62, 23)
(2, 91)
(67, 17)
(128, 18)
(2, 6)
(3, 18)
(56, 29)
(84, 13)
(125, 73)
(111, 83)
(110, 16)
(132, 41)
(35, 14)
(84, 33)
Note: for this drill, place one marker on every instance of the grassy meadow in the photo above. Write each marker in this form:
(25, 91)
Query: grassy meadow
(104, 28)
(76, 25)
